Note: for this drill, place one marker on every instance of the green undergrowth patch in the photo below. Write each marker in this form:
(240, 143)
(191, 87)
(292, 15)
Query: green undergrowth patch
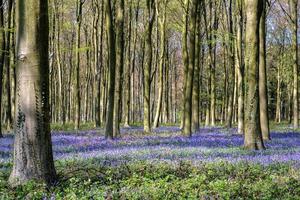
(161, 180)
(70, 126)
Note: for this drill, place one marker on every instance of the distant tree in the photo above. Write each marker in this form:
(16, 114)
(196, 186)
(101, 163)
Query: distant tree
(33, 157)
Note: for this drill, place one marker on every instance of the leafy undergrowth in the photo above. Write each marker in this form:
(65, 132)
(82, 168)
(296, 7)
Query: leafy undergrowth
(162, 180)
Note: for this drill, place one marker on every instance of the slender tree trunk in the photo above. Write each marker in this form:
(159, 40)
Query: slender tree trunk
(112, 70)
(240, 67)
(187, 129)
(196, 85)
(278, 96)
(2, 55)
(253, 137)
(78, 82)
(263, 92)
(33, 157)
(185, 56)
(162, 24)
(294, 10)
(231, 64)
(128, 72)
(120, 45)
(8, 64)
(148, 65)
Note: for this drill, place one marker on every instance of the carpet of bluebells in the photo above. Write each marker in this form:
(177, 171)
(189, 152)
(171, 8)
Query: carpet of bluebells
(211, 164)
(167, 144)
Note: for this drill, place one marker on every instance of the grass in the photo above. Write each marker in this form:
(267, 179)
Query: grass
(162, 180)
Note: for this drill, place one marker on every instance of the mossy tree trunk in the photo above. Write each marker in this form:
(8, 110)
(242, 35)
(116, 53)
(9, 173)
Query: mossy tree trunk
(33, 157)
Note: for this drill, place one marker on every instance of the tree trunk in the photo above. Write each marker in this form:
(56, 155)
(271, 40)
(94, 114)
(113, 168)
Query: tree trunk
(162, 24)
(148, 65)
(253, 137)
(33, 158)
(112, 70)
(2, 55)
(78, 82)
(263, 92)
(240, 67)
(119, 66)
(294, 10)
(187, 129)
(185, 56)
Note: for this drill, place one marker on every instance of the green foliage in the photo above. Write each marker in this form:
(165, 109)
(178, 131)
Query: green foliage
(71, 126)
(162, 180)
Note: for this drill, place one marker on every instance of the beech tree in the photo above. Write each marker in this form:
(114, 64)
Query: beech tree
(109, 126)
(253, 136)
(33, 157)
(2, 54)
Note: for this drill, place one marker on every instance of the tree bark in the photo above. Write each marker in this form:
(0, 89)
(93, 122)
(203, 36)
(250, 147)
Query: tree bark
(263, 92)
(120, 45)
(253, 137)
(33, 157)
(294, 15)
(148, 65)
(2, 55)
(112, 70)
(162, 25)
(187, 129)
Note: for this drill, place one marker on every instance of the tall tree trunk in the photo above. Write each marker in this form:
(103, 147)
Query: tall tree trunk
(231, 64)
(128, 72)
(148, 65)
(263, 92)
(112, 70)
(2, 55)
(33, 157)
(162, 25)
(8, 64)
(196, 85)
(187, 129)
(78, 82)
(240, 67)
(119, 66)
(253, 137)
(294, 14)
(185, 56)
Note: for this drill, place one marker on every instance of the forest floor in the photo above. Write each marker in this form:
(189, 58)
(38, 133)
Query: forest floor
(217, 151)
